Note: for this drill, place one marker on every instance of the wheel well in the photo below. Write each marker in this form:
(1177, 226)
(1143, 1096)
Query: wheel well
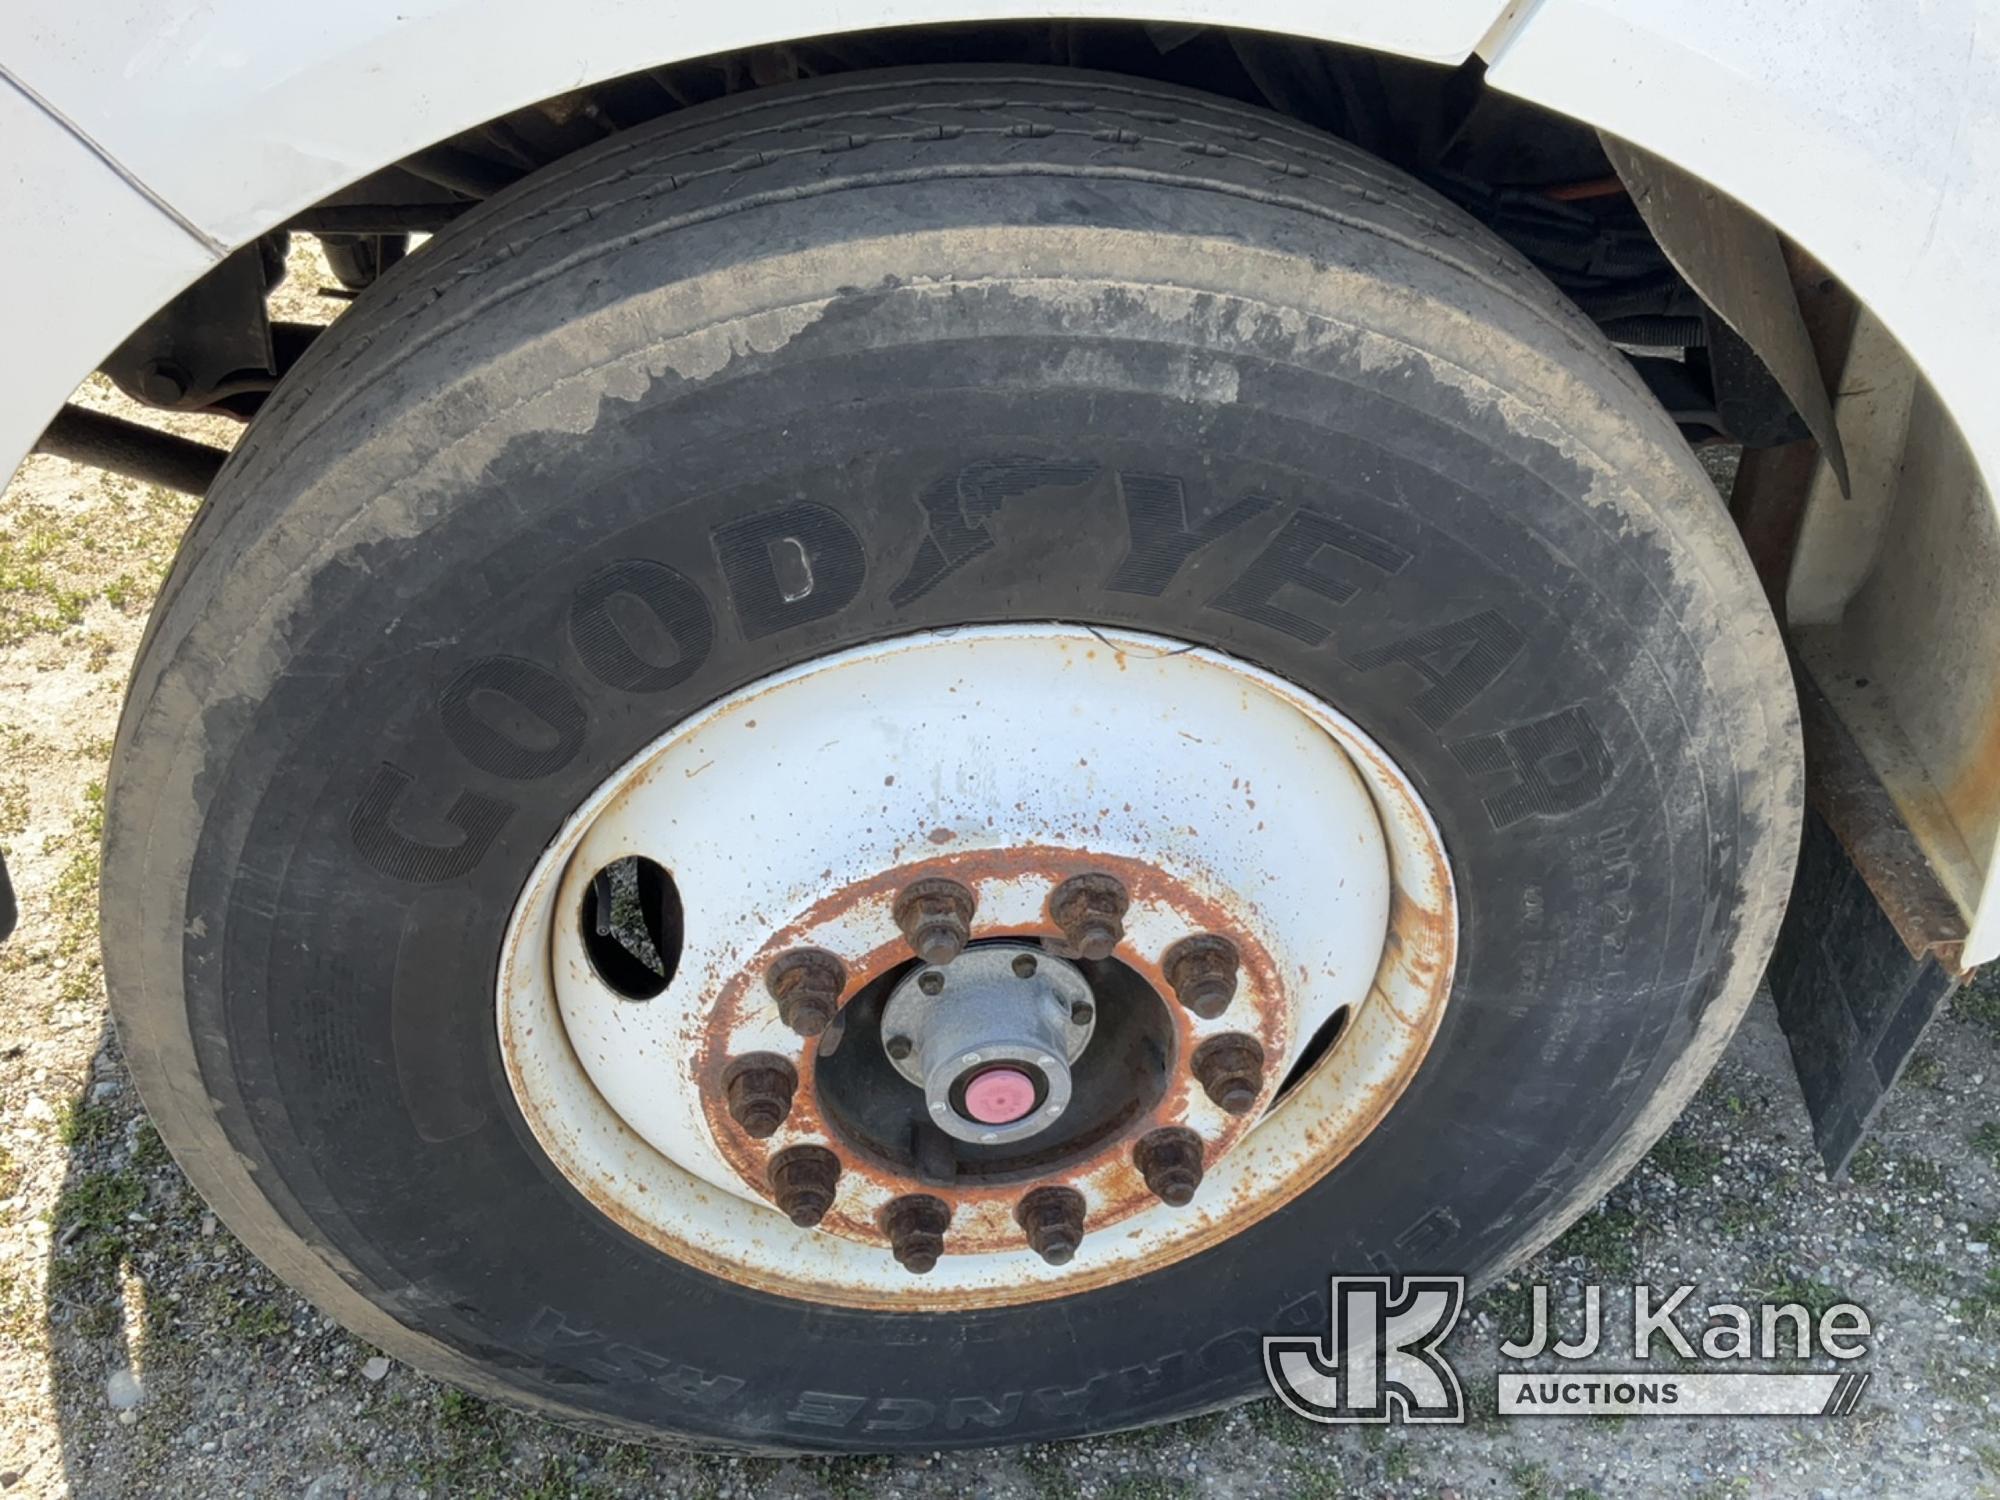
(1539, 180)
(1545, 183)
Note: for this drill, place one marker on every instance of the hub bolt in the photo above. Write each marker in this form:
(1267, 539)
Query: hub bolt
(1230, 1068)
(803, 1179)
(807, 983)
(935, 915)
(1053, 1219)
(1202, 971)
(1090, 910)
(915, 1224)
(1170, 1160)
(899, 1047)
(759, 1087)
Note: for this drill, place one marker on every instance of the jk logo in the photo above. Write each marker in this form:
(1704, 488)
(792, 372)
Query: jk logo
(1381, 1362)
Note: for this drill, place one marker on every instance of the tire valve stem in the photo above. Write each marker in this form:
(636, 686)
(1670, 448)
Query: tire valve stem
(1170, 1160)
(1090, 910)
(935, 916)
(1202, 971)
(803, 1180)
(1230, 1069)
(758, 1088)
(1053, 1219)
(915, 1224)
(807, 983)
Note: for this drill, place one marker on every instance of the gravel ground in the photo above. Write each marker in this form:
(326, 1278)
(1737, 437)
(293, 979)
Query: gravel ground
(143, 1350)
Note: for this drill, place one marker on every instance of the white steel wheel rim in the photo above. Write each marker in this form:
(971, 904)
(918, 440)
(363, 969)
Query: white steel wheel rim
(791, 812)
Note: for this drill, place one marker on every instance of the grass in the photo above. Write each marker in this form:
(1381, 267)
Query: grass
(1924, 1071)
(1606, 1242)
(34, 597)
(55, 564)
(90, 1219)
(73, 901)
(1530, 1480)
(1690, 1163)
(1278, 1422)
(244, 1320)
(1978, 1001)
(1779, 1283)
(82, 1125)
(1511, 1305)
(14, 808)
(1986, 1141)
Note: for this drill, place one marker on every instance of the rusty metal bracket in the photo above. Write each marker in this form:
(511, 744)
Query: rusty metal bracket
(1737, 263)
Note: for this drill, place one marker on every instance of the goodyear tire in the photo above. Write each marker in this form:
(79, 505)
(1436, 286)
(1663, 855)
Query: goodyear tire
(929, 330)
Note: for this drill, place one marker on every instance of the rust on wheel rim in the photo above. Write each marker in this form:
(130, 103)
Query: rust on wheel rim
(1232, 813)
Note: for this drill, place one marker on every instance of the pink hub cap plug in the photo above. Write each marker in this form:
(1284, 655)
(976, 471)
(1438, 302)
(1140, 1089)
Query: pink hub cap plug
(999, 1096)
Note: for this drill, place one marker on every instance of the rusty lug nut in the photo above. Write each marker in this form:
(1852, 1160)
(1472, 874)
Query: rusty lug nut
(1170, 1160)
(1053, 1219)
(1202, 971)
(915, 1224)
(1230, 1068)
(935, 914)
(759, 1087)
(803, 1179)
(1090, 910)
(807, 983)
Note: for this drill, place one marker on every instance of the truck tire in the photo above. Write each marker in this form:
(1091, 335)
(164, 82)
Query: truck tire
(359, 260)
(1057, 411)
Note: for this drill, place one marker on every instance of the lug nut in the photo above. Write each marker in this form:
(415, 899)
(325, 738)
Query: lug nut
(1170, 1160)
(1230, 1068)
(1090, 910)
(935, 914)
(803, 1179)
(915, 1224)
(899, 1047)
(1082, 1013)
(1053, 1219)
(1202, 971)
(807, 983)
(759, 1088)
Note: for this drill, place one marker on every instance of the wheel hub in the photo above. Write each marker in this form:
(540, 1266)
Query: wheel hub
(989, 1038)
(955, 999)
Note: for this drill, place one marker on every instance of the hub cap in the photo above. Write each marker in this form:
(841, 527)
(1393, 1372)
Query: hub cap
(991, 1042)
(987, 941)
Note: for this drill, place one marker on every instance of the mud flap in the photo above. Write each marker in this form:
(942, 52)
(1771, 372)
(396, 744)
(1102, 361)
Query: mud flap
(1869, 949)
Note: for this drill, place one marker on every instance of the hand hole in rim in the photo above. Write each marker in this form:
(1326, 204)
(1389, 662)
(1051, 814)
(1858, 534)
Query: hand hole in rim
(631, 926)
